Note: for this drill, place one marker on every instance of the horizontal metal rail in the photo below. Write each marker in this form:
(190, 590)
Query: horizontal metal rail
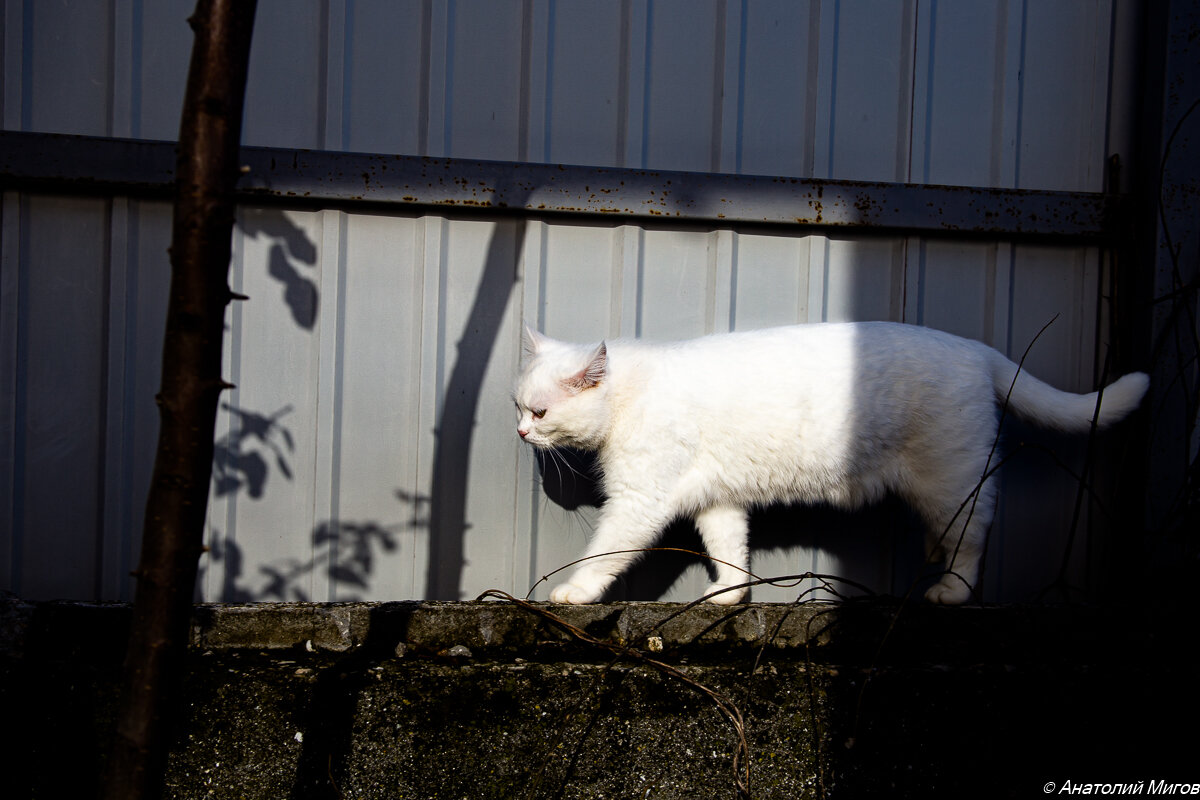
(412, 184)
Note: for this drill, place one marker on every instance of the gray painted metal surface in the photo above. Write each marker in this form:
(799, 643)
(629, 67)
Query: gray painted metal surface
(368, 451)
(411, 183)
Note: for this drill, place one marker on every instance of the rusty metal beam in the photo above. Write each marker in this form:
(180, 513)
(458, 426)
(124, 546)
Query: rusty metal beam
(411, 184)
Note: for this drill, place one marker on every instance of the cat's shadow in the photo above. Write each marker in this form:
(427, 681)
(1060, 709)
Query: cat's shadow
(785, 536)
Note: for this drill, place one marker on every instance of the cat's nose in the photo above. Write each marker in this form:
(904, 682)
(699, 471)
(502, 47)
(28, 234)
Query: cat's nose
(522, 432)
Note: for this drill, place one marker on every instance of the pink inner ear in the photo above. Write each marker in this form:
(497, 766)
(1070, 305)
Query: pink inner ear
(592, 374)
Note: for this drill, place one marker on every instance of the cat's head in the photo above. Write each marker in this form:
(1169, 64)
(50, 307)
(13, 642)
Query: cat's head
(562, 393)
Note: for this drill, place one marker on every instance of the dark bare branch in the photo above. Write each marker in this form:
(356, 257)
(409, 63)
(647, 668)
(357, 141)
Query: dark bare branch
(173, 533)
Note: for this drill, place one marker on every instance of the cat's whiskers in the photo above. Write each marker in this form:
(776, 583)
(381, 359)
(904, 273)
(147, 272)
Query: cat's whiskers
(554, 457)
(559, 460)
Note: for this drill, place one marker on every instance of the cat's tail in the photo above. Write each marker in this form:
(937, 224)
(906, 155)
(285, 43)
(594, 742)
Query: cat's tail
(1041, 403)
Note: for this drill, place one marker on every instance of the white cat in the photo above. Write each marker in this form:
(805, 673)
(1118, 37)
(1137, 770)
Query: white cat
(822, 413)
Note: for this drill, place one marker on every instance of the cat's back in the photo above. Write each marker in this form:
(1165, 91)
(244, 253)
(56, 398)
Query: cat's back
(777, 342)
(750, 369)
(770, 351)
(818, 364)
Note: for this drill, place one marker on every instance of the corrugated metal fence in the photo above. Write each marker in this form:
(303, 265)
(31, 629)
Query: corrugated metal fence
(368, 451)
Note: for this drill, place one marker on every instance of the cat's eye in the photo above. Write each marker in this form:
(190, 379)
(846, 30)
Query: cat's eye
(538, 413)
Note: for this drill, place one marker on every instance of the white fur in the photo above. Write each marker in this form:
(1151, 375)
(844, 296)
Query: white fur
(825, 413)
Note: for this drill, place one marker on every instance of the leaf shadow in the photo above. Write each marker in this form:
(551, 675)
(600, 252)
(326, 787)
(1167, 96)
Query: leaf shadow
(345, 553)
(236, 465)
(292, 246)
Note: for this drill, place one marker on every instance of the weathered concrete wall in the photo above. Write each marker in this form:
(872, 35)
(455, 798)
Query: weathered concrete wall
(496, 700)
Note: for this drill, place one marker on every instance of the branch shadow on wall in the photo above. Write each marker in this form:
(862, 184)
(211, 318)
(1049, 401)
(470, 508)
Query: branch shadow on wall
(456, 425)
(260, 447)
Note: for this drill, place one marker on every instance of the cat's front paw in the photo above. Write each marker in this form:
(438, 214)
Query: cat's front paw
(723, 595)
(951, 590)
(570, 593)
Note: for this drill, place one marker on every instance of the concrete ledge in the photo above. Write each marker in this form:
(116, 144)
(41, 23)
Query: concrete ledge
(495, 628)
(498, 628)
(888, 629)
(496, 699)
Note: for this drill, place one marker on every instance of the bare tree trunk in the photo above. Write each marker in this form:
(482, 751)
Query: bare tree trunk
(173, 534)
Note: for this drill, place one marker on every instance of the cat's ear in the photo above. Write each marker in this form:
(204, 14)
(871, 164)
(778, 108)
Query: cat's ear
(531, 341)
(593, 373)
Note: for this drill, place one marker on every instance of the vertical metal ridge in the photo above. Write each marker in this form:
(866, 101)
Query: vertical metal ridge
(447, 142)
(740, 121)
(716, 115)
(931, 68)
(835, 51)
(812, 72)
(120, 76)
(128, 523)
(733, 279)
(647, 85)
(640, 290)
(625, 34)
(13, 227)
(334, 54)
(1021, 78)
(426, 27)
(237, 272)
(548, 100)
(112, 487)
(25, 73)
(999, 80)
(525, 79)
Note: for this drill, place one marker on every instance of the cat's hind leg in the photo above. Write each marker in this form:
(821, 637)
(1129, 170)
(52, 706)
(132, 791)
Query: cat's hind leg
(944, 475)
(958, 537)
(725, 531)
